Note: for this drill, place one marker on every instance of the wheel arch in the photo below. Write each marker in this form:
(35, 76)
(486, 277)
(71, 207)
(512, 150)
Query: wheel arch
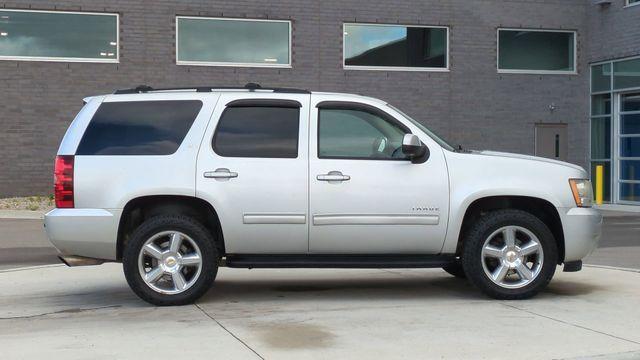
(137, 210)
(540, 208)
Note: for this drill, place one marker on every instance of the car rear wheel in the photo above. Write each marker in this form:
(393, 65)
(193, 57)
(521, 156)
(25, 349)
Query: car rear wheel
(509, 254)
(170, 260)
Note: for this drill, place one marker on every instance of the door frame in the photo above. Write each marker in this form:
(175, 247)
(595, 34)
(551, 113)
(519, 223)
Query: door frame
(617, 159)
(545, 124)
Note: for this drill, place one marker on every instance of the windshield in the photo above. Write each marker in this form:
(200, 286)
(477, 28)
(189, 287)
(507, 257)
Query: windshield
(442, 142)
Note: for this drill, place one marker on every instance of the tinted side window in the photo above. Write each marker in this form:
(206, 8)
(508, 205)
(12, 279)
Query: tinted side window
(258, 131)
(357, 134)
(139, 127)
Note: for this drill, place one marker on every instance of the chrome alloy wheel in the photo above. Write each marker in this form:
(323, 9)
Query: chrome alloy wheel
(512, 257)
(170, 262)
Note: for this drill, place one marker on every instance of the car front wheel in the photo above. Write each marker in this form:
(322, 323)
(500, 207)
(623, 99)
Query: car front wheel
(509, 254)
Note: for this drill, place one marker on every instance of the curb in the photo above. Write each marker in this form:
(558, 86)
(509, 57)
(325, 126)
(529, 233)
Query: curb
(613, 268)
(22, 214)
(26, 268)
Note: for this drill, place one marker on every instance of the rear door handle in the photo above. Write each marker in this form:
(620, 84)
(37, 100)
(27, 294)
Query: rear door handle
(332, 176)
(221, 173)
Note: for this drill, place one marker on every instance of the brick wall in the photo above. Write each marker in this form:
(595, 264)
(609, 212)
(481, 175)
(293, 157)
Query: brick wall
(472, 104)
(614, 31)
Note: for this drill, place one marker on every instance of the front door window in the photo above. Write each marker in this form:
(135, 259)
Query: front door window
(357, 134)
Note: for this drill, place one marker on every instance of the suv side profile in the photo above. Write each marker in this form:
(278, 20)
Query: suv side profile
(174, 183)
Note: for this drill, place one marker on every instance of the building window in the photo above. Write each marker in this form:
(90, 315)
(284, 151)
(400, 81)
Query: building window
(395, 47)
(632, 2)
(58, 36)
(626, 74)
(615, 128)
(536, 51)
(233, 42)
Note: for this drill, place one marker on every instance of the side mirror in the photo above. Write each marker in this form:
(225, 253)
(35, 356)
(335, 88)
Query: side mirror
(414, 149)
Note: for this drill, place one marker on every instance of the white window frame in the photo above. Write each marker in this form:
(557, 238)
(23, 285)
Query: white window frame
(395, 68)
(233, 64)
(628, 3)
(68, 59)
(538, 72)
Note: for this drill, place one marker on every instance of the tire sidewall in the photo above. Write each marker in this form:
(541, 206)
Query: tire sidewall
(479, 232)
(196, 232)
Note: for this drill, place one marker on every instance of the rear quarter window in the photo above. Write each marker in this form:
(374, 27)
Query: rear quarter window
(139, 127)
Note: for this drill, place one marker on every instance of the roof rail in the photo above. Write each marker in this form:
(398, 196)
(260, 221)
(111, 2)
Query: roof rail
(249, 86)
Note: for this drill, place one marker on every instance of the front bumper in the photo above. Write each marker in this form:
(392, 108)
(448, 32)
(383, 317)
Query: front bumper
(91, 233)
(582, 230)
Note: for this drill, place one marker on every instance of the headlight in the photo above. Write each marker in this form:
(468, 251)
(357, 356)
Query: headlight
(582, 192)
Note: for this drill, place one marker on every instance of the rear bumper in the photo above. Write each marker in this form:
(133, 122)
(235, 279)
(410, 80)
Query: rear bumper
(91, 233)
(582, 230)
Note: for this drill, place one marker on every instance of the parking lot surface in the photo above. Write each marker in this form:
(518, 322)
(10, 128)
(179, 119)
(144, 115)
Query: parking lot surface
(51, 311)
(73, 313)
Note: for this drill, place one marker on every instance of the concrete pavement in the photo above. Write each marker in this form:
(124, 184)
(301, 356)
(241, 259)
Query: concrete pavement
(76, 313)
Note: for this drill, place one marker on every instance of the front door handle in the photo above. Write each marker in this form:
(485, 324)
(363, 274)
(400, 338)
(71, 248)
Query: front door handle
(333, 176)
(221, 173)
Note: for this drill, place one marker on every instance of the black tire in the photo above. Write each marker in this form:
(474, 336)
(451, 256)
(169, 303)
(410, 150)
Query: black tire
(188, 226)
(455, 269)
(476, 236)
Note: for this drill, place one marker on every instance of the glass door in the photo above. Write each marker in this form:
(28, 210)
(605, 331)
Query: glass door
(629, 148)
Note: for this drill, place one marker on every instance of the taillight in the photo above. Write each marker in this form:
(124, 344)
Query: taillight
(63, 181)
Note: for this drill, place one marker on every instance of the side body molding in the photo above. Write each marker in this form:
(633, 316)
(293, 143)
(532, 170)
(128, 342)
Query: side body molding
(352, 219)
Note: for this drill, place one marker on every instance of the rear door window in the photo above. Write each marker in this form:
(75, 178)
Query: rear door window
(258, 131)
(139, 127)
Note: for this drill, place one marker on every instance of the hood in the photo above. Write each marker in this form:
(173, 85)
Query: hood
(527, 157)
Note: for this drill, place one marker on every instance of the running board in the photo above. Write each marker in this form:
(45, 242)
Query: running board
(261, 261)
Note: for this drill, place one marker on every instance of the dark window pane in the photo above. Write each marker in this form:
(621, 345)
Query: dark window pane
(34, 34)
(233, 41)
(626, 74)
(261, 132)
(601, 77)
(630, 146)
(601, 138)
(630, 169)
(629, 192)
(536, 50)
(356, 134)
(631, 102)
(395, 46)
(630, 124)
(139, 127)
(606, 188)
(601, 104)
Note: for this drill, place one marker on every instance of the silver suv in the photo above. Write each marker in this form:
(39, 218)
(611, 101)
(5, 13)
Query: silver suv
(174, 183)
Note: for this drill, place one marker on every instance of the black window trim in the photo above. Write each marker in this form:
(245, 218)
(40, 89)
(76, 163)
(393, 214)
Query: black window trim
(281, 103)
(284, 103)
(352, 105)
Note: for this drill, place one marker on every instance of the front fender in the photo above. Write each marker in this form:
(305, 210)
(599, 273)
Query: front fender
(461, 201)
